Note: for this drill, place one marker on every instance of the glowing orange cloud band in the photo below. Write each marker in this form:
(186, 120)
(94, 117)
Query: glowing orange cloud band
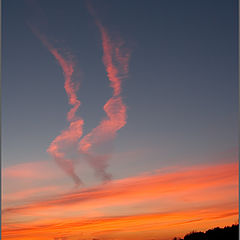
(121, 227)
(202, 183)
(195, 198)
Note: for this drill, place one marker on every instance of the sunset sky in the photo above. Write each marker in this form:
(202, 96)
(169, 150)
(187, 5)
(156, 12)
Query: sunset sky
(119, 118)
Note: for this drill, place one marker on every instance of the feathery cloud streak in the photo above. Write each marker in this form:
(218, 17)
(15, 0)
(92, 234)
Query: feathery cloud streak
(116, 64)
(73, 133)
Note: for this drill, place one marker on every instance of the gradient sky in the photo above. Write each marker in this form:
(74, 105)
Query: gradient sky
(181, 98)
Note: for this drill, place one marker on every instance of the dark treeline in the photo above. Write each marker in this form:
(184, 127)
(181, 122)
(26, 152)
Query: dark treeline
(226, 233)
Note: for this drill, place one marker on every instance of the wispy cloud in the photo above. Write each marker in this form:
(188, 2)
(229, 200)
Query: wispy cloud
(73, 133)
(115, 59)
(116, 65)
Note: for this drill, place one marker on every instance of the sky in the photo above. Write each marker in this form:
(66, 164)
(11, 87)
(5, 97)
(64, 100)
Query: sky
(119, 118)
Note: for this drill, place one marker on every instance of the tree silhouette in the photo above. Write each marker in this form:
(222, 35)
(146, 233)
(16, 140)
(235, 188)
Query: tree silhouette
(194, 236)
(226, 233)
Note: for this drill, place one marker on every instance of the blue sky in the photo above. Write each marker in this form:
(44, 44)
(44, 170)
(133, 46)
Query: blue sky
(181, 91)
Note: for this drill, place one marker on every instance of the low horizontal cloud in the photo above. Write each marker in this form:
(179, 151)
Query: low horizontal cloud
(200, 180)
(199, 196)
(116, 225)
(31, 171)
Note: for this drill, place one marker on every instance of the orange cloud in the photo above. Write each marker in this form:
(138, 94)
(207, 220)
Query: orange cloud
(191, 198)
(192, 185)
(124, 227)
(31, 193)
(29, 170)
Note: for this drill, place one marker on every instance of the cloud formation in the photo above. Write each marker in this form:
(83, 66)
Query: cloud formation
(116, 64)
(115, 59)
(146, 187)
(191, 197)
(73, 133)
